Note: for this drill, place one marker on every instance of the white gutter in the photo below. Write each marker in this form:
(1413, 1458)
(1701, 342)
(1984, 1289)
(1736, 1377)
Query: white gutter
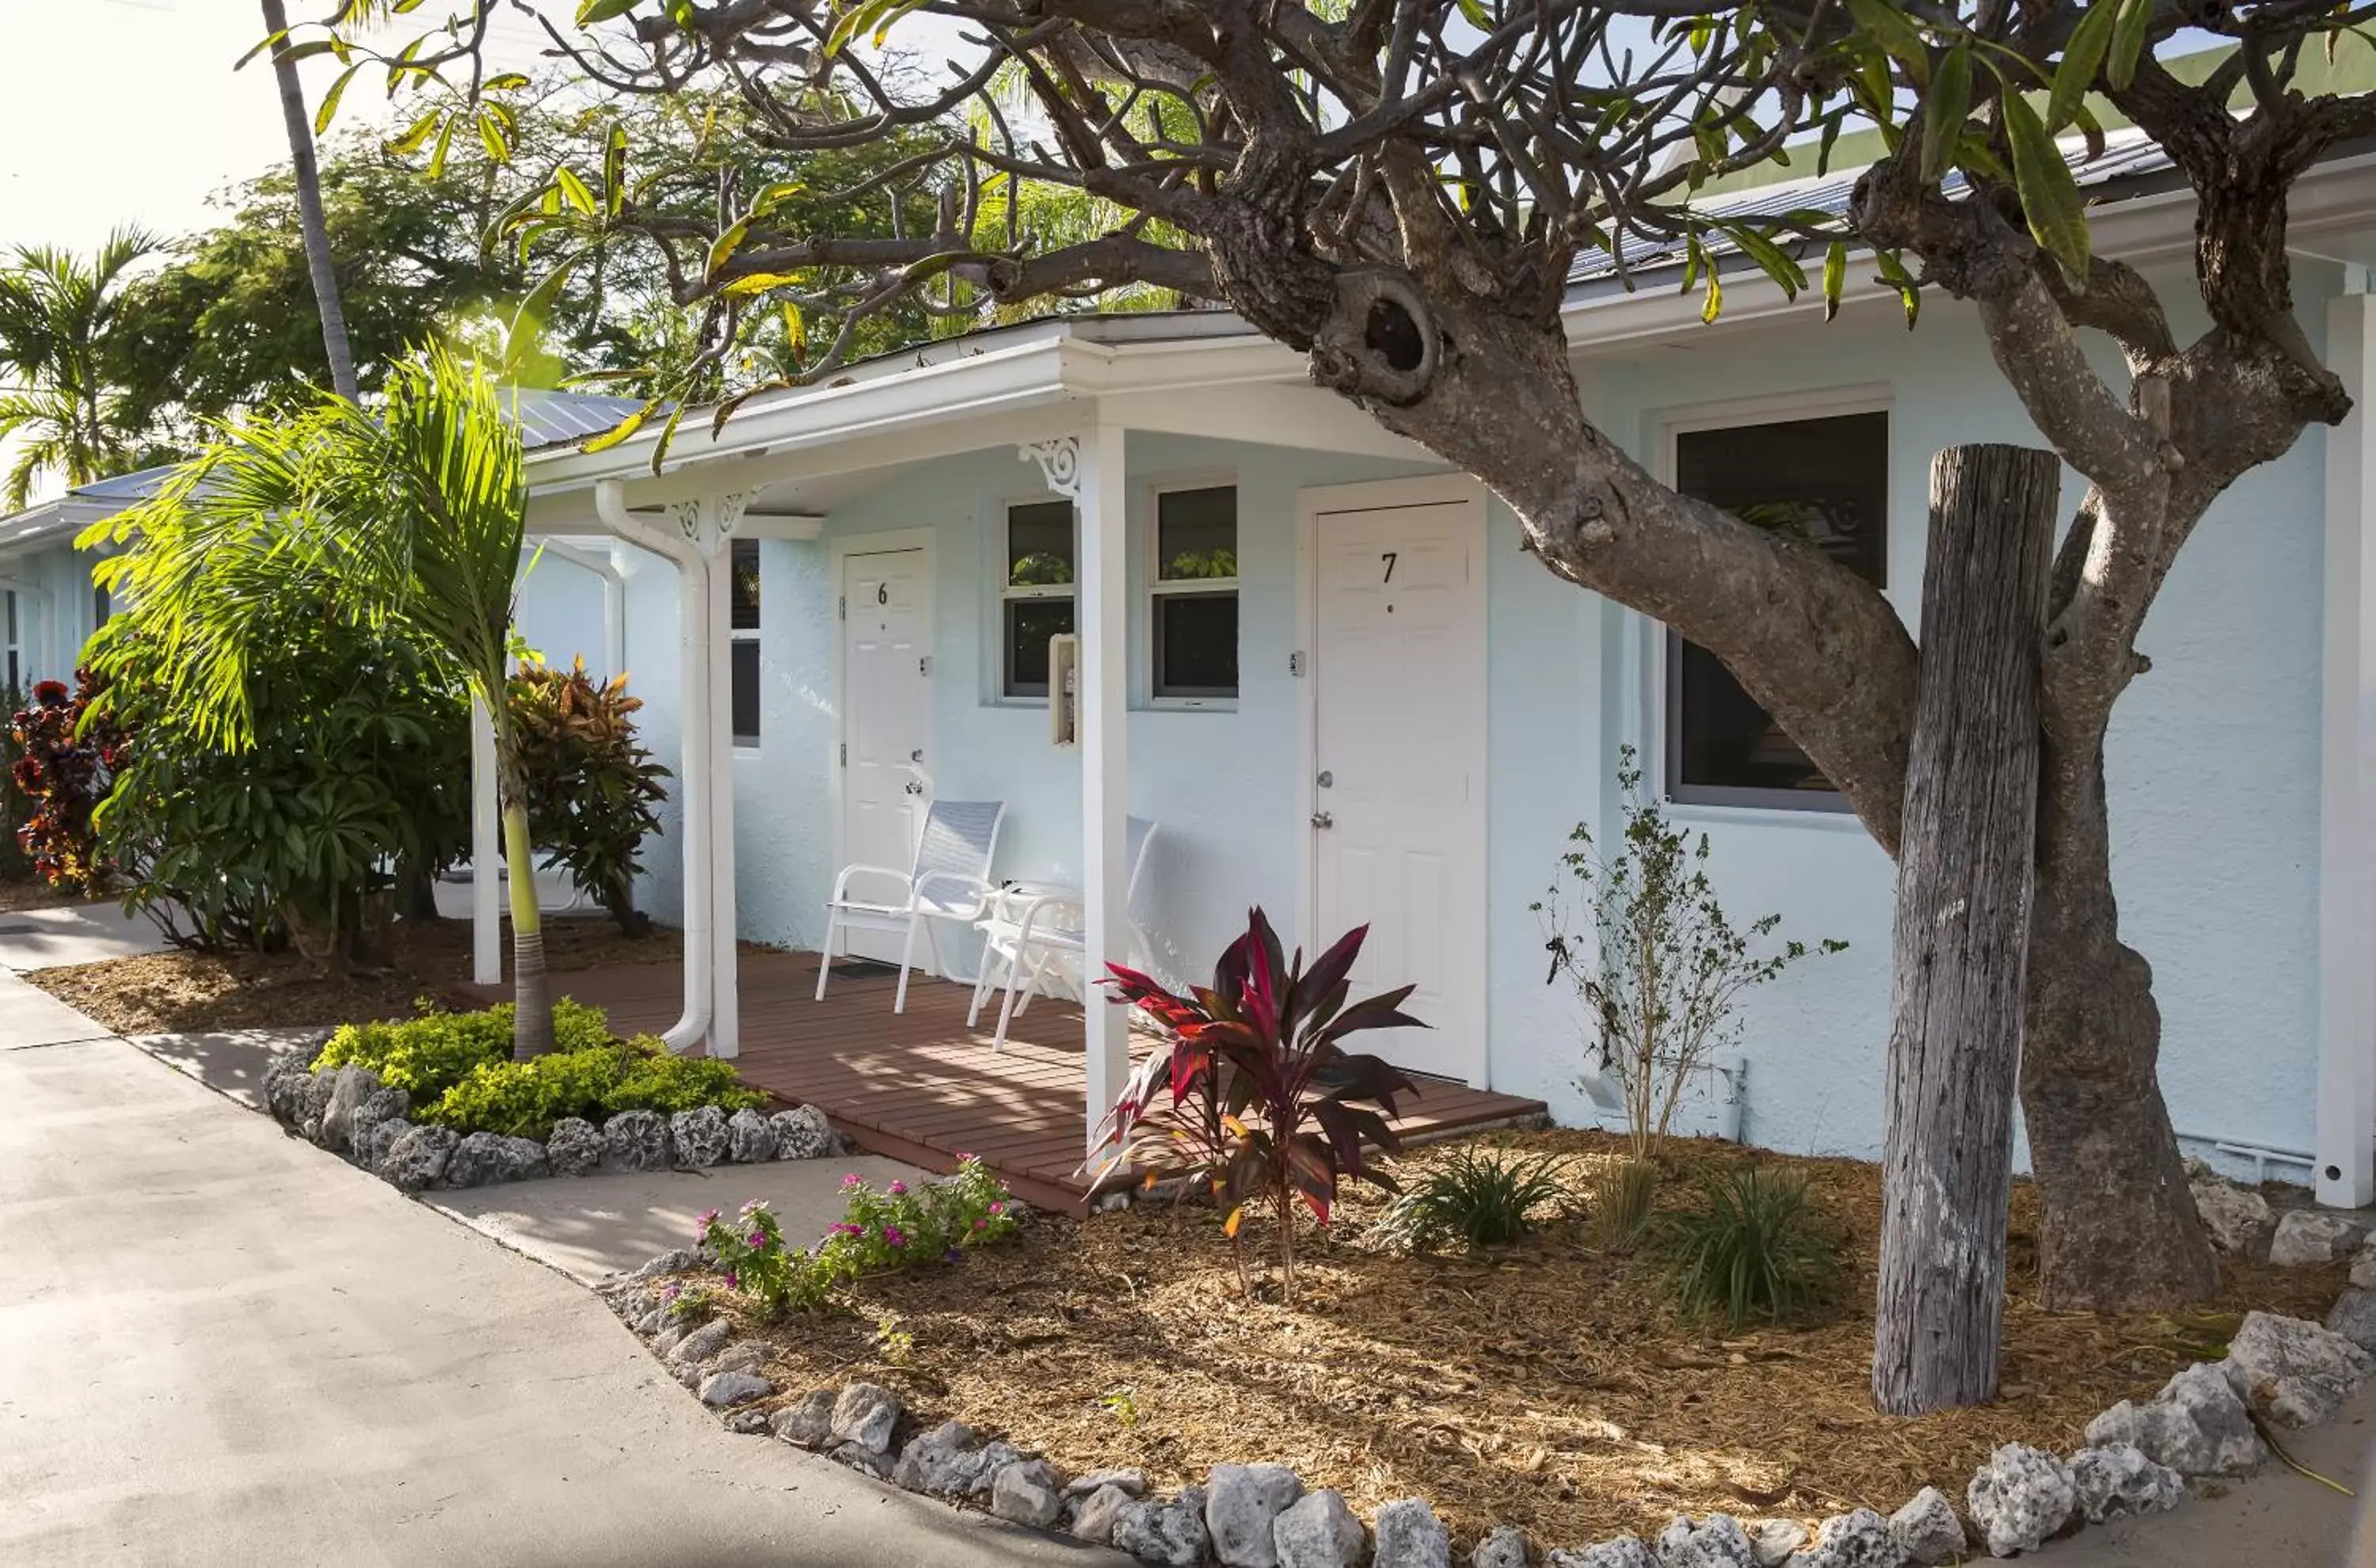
(614, 598)
(694, 782)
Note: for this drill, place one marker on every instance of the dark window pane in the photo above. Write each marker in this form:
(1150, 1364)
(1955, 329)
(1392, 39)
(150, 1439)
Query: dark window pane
(1197, 533)
(745, 702)
(1030, 623)
(744, 590)
(1196, 644)
(1822, 480)
(1040, 544)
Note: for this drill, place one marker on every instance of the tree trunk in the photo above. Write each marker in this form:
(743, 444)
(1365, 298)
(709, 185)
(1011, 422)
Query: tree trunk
(1964, 874)
(532, 996)
(416, 893)
(2119, 1231)
(318, 260)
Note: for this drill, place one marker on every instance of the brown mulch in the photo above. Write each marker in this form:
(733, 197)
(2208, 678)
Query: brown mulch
(187, 993)
(1550, 1385)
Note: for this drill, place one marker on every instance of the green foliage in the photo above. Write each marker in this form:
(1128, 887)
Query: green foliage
(359, 730)
(1475, 1198)
(480, 1088)
(653, 1078)
(66, 757)
(523, 1100)
(880, 1232)
(65, 410)
(1660, 968)
(1756, 1247)
(591, 786)
(15, 807)
(429, 1055)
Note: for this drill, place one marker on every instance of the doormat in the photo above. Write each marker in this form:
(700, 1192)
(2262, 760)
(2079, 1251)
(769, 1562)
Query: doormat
(843, 968)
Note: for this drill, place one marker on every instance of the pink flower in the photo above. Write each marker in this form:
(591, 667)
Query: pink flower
(849, 1180)
(896, 1188)
(895, 1237)
(668, 1293)
(707, 1215)
(966, 1159)
(981, 1224)
(998, 1208)
(734, 1280)
(758, 1238)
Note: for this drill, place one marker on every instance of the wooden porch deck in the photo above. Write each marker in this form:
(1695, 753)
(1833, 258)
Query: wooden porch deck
(921, 1086)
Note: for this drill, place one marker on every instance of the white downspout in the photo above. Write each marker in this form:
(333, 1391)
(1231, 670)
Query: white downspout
(696, 759)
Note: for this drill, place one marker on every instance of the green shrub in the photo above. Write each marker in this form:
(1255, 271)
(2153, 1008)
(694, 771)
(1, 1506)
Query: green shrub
(1475, 1198)
(593, 789)
(523, 1100)
(653, 1079)
(1757, 1248)
(429, 1055)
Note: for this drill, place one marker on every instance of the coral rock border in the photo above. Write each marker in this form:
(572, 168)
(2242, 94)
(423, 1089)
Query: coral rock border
(349, 1111)
(2204, 1427)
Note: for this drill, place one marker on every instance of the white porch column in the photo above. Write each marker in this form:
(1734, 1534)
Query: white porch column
(2346, 1175)
(724, 512)
(1089, 468)
(486, 853)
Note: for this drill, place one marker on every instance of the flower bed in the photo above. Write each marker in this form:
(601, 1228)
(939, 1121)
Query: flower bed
(1550, 1389)
(437, 1100)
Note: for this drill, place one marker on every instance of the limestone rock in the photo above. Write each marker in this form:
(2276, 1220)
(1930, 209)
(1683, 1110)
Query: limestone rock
(1317, 1530)
(2115, 1483)
(750, 1422)
(1504, 1546)
(745, 1355)
(1131, 1481)
(991, 1459)
(698, 1344)
(2294, 1373)
(808, 1423)
(865, 1414)
(801, 1133)
(313, 1102)
(1241, 1502)
(700, 1136)
(483, 1158)
(2363, 1265)
(377, 1139)
(675, 1261)
(2196, 1425)
(2237, 1217)
(2310, 1235)
(1771, 1541)
(2354, 1315)
(858, 1457)
(1026, 1493)
(285, 1083)
(574, 1147)
(416, 1158)
(1626, 1551)
(722, 1389)
(944, 1461)
(1927, 1530)
(750, 1137)
(2022, 1496)
(1860, 1538)
(1171, 1533)
(636, 1140)
(350, 1086)
(1096, 1515)
(1717, 1541)
(1410, 1535)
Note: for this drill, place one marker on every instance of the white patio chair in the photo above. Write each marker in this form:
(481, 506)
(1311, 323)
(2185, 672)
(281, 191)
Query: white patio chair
(950, 881)
(1026, 929)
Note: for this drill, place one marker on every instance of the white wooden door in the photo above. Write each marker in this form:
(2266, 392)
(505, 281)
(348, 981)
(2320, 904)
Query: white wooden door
(886, 721)
(1398, 825)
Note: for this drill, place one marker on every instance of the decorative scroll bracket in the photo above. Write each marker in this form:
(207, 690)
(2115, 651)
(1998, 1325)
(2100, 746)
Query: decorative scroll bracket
(1060, 463)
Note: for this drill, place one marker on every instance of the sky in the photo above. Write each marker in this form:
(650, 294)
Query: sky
(117, 112)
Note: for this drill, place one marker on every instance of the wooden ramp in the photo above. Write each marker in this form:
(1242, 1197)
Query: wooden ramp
(920, 1085)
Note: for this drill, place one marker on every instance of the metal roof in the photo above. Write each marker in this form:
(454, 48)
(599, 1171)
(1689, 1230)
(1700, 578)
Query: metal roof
(2129, 157)
(548, 419)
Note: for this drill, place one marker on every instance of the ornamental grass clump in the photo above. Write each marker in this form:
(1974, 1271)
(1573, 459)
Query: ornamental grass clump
(1475, 1198)
(1756, 1247)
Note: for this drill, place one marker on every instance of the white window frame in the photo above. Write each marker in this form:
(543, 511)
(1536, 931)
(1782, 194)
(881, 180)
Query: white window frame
(746, 745)
(1776, 805)
(13, 665)
(1152, 586)
(1002, 673)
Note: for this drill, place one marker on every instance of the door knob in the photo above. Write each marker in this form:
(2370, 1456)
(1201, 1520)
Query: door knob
(1324, 819)
(912, 788)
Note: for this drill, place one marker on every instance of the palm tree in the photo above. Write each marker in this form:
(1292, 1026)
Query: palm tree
(316, 228)
(56, 311)
(412, 511)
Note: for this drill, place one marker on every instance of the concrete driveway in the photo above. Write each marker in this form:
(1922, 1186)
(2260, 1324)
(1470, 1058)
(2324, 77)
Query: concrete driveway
(221, 1344)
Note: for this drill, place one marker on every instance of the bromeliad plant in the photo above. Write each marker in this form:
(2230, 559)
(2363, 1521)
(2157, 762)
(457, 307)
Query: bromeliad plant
(1257, 1095)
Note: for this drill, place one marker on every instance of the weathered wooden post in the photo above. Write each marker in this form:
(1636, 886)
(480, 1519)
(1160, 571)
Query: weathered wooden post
(1964, 880)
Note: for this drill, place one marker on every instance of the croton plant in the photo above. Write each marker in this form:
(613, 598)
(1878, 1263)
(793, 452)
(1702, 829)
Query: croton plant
(1257, 1094)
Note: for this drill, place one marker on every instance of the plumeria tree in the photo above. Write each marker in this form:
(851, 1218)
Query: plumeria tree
(1400, 190)
(410, 512)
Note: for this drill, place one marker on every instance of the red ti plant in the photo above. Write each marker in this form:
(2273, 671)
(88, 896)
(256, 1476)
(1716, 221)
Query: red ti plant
(1256, 1094)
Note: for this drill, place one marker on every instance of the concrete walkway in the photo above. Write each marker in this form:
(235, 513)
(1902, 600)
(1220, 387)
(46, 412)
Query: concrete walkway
(220, 1345)
(87, 932)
